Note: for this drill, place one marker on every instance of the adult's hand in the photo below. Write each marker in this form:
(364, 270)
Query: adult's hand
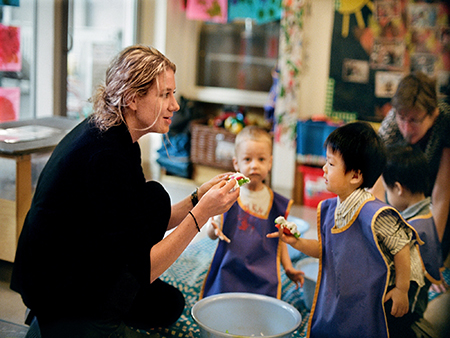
(204, 188)
(218, 199)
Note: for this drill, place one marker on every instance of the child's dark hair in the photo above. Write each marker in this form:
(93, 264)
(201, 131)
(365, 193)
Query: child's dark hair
(409, 167)
(361, 149)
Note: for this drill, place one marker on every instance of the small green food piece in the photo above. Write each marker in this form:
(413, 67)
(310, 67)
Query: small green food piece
(241, 179)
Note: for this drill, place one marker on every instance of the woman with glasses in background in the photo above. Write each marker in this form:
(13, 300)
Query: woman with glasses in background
(419, 120)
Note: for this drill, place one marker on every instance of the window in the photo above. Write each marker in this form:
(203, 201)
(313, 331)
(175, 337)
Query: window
(17, 67)
(98, 30)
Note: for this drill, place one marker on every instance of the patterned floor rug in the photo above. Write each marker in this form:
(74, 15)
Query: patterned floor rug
(188, 273)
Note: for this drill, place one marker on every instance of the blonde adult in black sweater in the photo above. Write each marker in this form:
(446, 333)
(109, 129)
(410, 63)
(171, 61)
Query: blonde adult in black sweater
(93, 246)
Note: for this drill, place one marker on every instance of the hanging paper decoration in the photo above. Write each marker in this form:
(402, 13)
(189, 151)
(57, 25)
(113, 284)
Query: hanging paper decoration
(9, 3)
(262, 11)
(183, 4)
(10, 59)
(290, 63)
(9, 104)
(207, 10)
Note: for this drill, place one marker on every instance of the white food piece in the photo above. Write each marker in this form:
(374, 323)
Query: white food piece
(286, 224)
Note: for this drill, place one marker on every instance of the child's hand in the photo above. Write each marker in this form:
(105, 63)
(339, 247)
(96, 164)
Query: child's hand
(297, 276)
(219, 232)
(440, 288)
(400, 302)
(289, 239)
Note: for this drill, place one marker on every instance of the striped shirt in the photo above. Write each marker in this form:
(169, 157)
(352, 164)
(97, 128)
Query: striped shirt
(391, 231)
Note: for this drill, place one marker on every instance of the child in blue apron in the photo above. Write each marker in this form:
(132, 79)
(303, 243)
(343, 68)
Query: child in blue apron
(406, 182)
(245, 259)
(369, 266)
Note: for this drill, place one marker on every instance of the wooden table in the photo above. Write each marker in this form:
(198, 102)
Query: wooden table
(12, 213)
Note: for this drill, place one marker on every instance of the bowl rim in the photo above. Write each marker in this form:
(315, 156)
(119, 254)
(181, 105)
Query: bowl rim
(245, 295)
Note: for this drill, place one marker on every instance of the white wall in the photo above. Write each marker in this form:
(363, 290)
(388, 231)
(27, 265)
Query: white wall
(319, 28)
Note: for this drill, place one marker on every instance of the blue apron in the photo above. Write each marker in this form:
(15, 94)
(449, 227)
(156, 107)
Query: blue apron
(353, 276)
(431, 250)
(251, 262)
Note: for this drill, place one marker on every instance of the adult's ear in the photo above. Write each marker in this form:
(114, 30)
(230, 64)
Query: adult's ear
(131, 103)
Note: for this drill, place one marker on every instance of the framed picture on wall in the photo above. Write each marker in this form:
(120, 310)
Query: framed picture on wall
(423, 62)
(388, 54)
(355, 71)
(387, 10)
(386, 83)
(422, 15)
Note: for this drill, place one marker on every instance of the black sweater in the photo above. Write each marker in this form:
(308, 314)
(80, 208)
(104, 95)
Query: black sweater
(85, 244)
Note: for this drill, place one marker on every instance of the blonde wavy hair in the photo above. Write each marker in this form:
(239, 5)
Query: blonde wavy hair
(131, 73)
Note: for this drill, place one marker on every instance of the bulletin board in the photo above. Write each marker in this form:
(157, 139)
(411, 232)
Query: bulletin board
(375, 43)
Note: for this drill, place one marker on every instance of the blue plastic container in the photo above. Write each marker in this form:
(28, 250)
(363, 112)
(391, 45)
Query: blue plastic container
(311, 136)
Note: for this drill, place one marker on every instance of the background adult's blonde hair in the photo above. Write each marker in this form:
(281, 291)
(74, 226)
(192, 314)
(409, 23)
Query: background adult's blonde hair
(131, 73)
(254, 133)
(416, 90)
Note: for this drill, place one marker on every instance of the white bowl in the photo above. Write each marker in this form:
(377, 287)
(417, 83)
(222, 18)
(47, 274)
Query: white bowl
(245, 315)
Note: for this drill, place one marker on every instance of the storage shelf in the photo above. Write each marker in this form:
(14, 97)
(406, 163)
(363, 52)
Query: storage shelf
(228, 96)
(242, 59)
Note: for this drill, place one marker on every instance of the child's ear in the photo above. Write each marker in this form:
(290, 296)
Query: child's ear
(398, 189)
(357, 178)
(235, 164)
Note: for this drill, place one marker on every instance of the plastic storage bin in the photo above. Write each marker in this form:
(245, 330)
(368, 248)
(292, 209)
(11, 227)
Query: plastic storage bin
(314, 189)
(311, 136)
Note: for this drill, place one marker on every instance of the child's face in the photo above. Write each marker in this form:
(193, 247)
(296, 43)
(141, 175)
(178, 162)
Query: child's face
(337, 180)
(254, 160)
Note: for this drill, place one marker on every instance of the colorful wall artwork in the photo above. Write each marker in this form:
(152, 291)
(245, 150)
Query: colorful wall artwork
(375, 43)
(9, 103)
(10, 58)
(261, 11)
(207, 10)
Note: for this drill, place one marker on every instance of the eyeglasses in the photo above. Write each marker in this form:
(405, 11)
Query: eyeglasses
(410, 120)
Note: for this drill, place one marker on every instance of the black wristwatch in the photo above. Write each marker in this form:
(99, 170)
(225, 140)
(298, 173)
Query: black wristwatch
(194, 197)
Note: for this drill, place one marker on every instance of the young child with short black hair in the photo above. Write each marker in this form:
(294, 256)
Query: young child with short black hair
(369, 267)
(406, 182)
(245, 259)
